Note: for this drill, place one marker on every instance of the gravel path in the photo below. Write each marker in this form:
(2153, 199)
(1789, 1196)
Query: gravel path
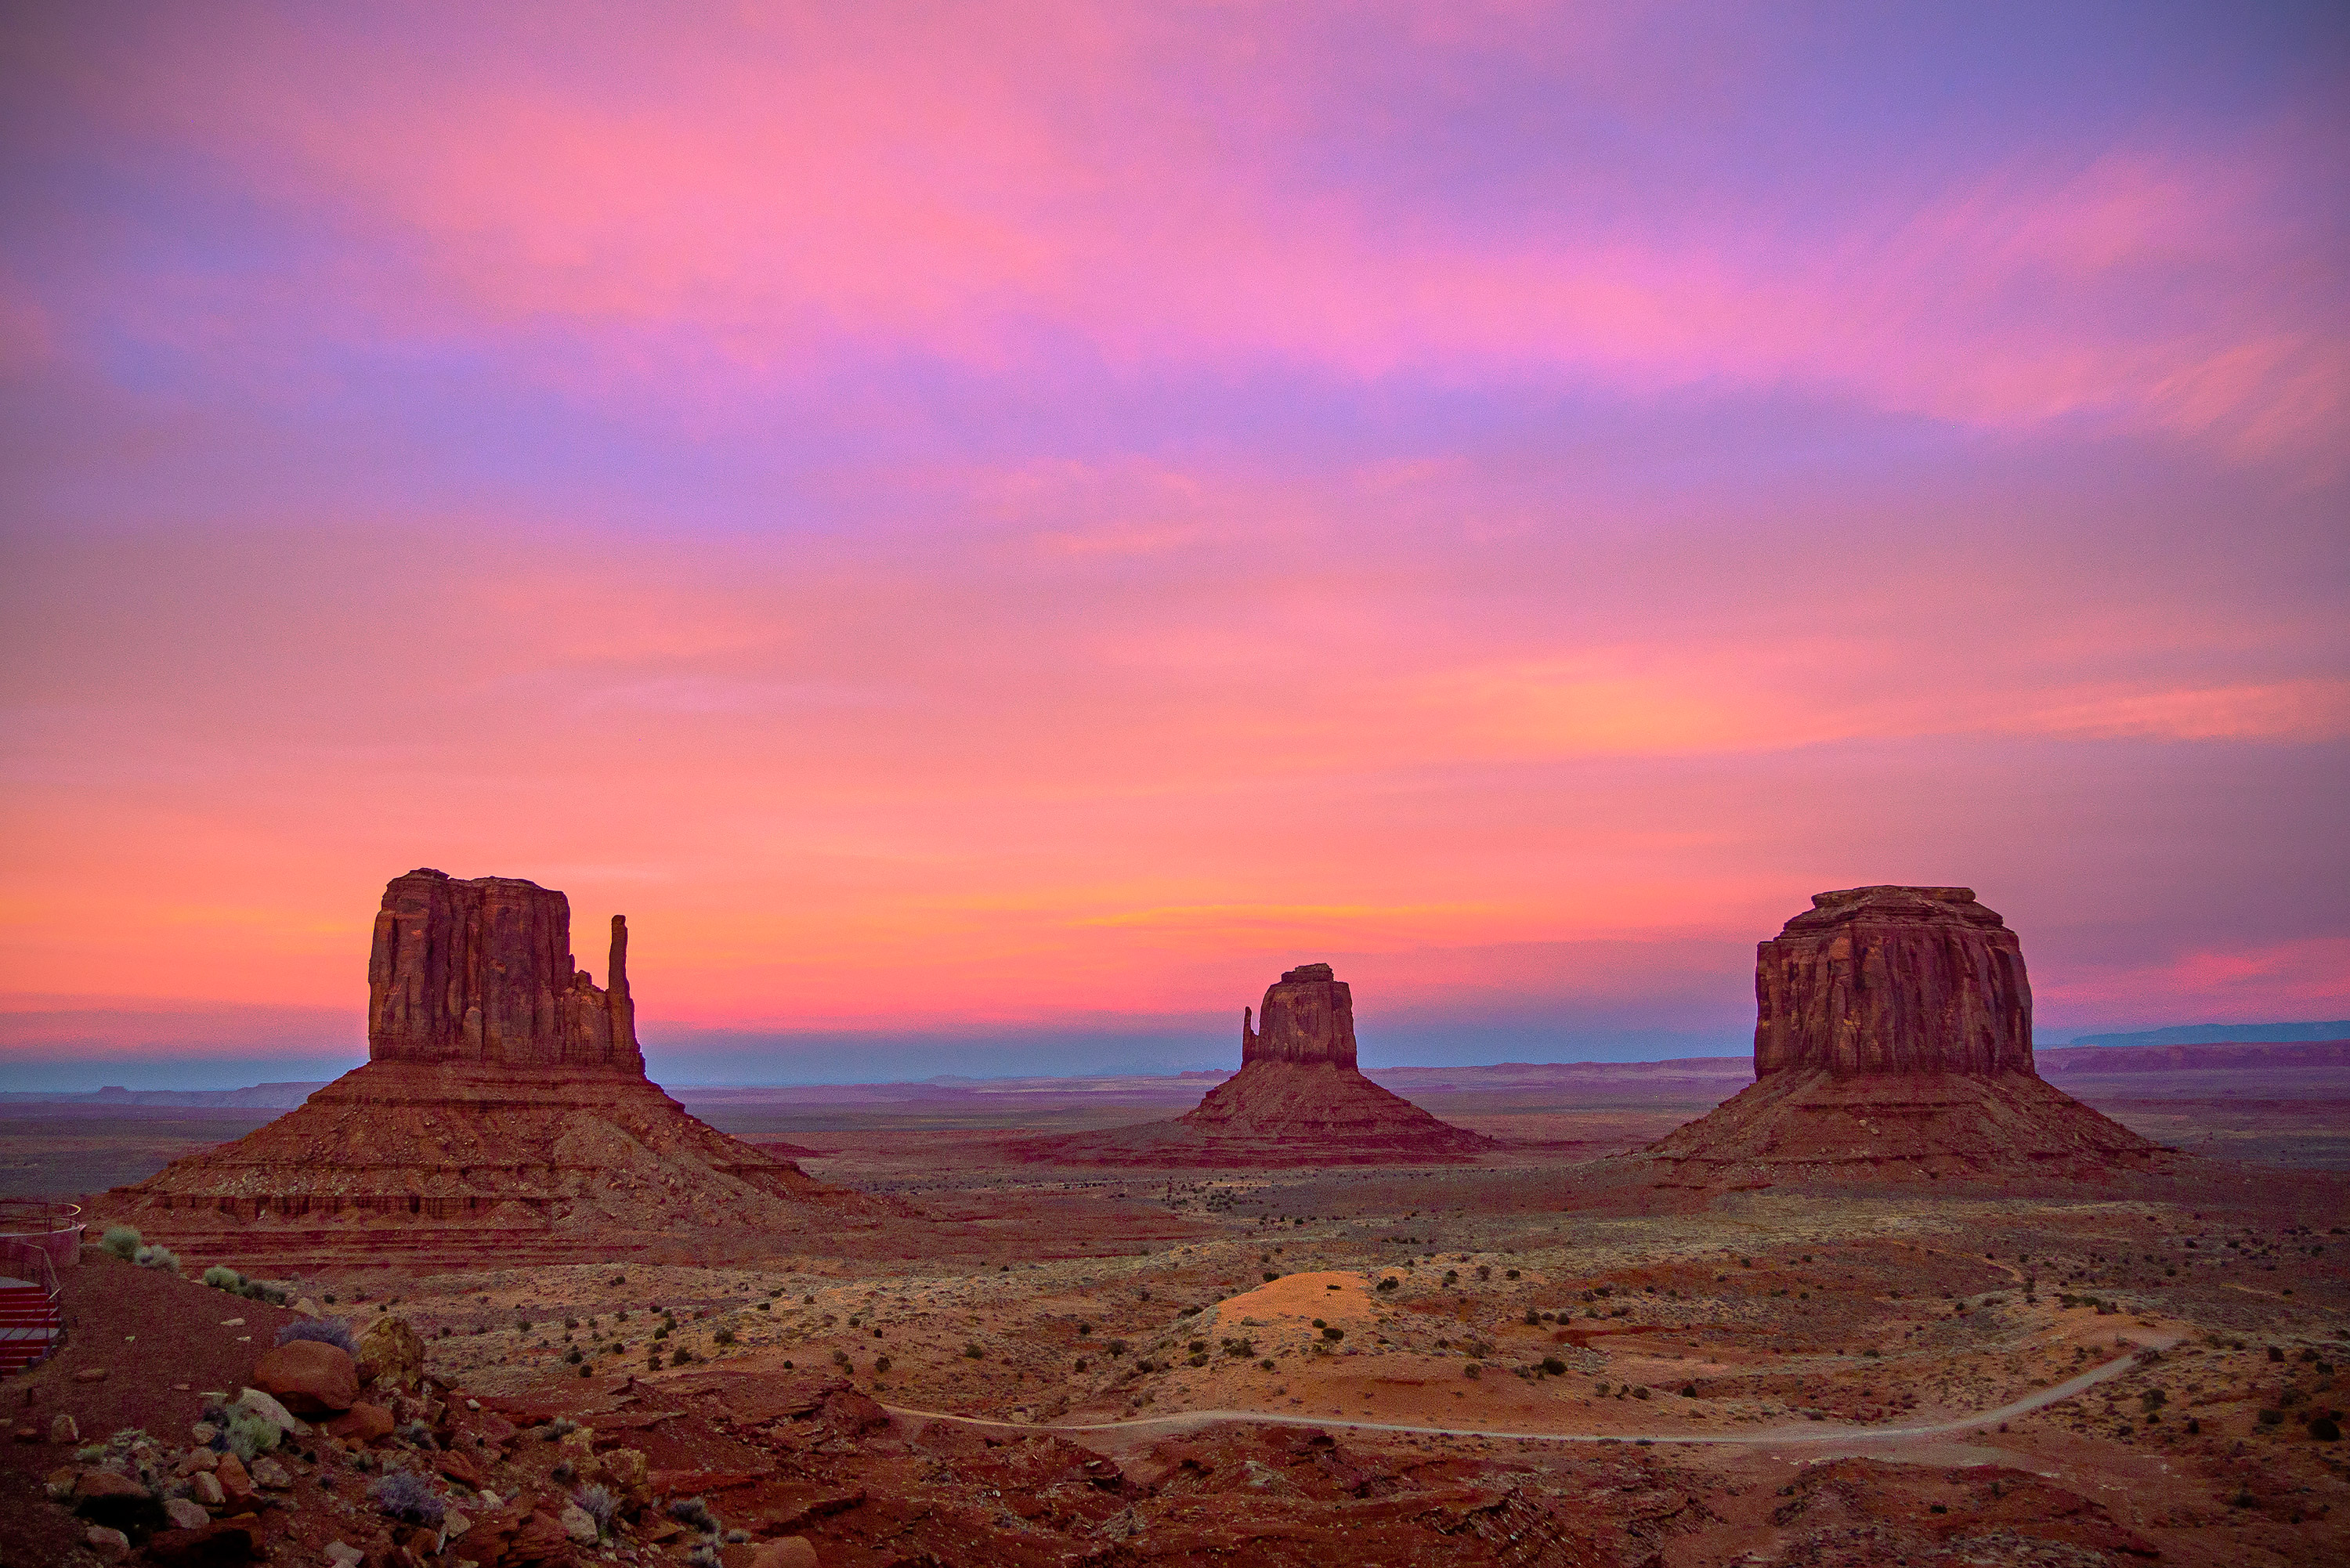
(1811, 1432)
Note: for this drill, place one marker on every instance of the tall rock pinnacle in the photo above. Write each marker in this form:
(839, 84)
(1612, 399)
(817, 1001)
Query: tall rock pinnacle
(1308, 1017)
(482, 970)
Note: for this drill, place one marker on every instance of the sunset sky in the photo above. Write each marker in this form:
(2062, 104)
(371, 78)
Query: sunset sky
(989, 531)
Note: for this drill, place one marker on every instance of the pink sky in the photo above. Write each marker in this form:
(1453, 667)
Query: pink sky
(988, 535)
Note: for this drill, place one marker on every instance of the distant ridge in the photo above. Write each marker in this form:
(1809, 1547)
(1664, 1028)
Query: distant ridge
(2222, 1033)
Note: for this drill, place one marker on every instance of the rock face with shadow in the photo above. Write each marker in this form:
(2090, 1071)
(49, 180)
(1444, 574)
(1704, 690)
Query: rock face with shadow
(1298, 1100)
(1893, 1041)
(504, 1106)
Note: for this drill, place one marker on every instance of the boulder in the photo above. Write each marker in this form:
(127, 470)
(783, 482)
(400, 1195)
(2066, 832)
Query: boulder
(790, 1551)
(268, 1472)
(236, 1486)
(308, 1377)
(62, 1430)
(186, 1513)
(105, 1483)
(205, 1488)
(578, 1524)
(265, 1405)
(111, 1545)
(390, 1351)
(362, 1423)
(625, 1471)
(221, 1545)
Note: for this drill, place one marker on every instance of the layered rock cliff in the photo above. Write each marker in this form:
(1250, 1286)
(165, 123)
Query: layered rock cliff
(1893, 1039)
(482, 970)
(1893, 979)
(503, 1106)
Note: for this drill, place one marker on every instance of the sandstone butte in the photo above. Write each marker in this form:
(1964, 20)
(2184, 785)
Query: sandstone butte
(1298, 1100)
(503, 1105)
(1892, 1041)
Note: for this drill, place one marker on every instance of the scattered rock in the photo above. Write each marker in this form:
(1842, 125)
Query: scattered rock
(62, 1430)
(268, 1472)
(307, 1308)
(202, 1433)
(112, 1545)
(27, 1434)
(308, 1377)
(186, 1513)
(236, 1486)
(362, 1423)
(341, 1555)
(90, 1374)
(454, 1524)
(390, 1352)
(206, 1486)
(578, 1523)
(221, 1545)
(790, 1551)
(60, 1482)
(106, 1483)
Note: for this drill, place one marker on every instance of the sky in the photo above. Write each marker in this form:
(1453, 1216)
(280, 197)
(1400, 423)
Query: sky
(988, 531)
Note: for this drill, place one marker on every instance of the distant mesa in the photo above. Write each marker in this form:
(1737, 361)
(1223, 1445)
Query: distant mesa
(1298, 1100)
(504, 1104)
(1892, 1040)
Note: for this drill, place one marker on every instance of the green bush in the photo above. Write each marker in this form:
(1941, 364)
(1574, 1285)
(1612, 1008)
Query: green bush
(122, 1240)
(249, 1434)
(725, 1336)
(156, 1257)
(223, 1279)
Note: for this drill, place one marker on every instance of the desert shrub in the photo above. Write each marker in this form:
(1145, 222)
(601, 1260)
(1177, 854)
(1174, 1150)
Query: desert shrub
(572, 1357)
(1641, 1392)
(1197, 1358)
(598, 1504)
(1266, 1364)
(1334, 1334)
(1117, 1348)
(122, 1240)
(1553, 1366)
(881, 1364)
(661, 1333)
(1473, 1370)
(695, 1513)
(334, 1331)
(248, 1433)
(2325, 1428)
(156, 1257)
(705, 1557)
(680, 1357)
(408, 1497)
(2270, 1417)
(1533, 1318)
(974, 1350)
(1196, 1346)
(222, 1278)
(725, 1336)
(1390, 1283)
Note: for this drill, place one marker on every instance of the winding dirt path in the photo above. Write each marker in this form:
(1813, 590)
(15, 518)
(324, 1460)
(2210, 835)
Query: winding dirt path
(1810, 1432)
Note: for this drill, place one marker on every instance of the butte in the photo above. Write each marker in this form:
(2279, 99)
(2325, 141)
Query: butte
(1298, 1100)
(1892, 1041)
(504, 1109)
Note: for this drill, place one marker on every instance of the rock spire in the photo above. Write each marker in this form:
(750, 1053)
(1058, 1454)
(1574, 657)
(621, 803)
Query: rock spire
(482, 970)
(502, 1110)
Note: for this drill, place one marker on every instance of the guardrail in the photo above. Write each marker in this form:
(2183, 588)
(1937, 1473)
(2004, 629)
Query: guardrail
(31, 1321)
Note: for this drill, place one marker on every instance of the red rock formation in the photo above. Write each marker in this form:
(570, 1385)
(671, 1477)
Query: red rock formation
(1893, 979)
(1892, 1038)
(482, 970)
(504, 1104)
(1298, 1100)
